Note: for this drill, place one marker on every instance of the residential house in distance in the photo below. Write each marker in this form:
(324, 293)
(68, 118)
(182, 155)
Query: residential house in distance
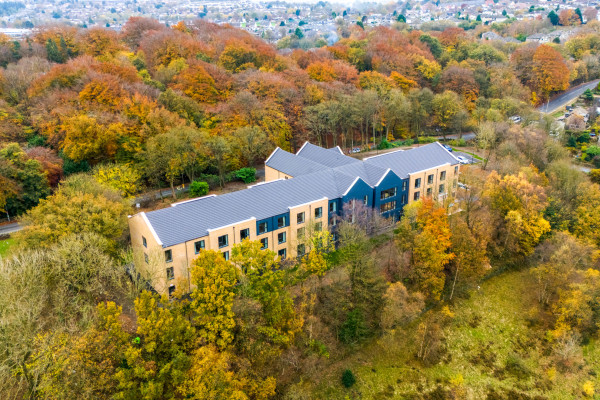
(305, 189)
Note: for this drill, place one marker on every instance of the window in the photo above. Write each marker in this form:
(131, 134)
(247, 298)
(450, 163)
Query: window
(262, 228)
(385, 207)
(300, 232)
(366, 201)
(144, 242)
(319, 226)
(300, 218)
(264, 242)
(334, 236)
(318, 212)
(417, 183)
(244, 233)
(301, 250)
(442, 175)
(170, 273)
(388, 193)
(199, 246)
(332, 220)
(281, 222)
(168, 255)
(282, 253)
(404, 185)
(332, 207)
(456, 170)
(416, 196)
(430, 179)
(281, 237)
(454, 184)
(226, 255)
(404, 199)
(171, 290)
(223, 241)
(429, 191)
(146, 258)
(442, 188)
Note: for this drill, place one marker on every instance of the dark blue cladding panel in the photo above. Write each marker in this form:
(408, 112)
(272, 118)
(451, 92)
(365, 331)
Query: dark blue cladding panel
(358, 192)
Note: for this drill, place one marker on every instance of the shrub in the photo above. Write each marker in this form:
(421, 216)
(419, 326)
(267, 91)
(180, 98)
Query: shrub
(354, 328)
(593, 151)
(427, 139)
(247, 175)
(385, 145)
(212, 180)
(458, 143)
(198, 188)
(348, 378)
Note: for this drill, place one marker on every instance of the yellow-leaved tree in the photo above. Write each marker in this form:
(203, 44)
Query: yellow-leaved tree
(212, 299)
(424, 233)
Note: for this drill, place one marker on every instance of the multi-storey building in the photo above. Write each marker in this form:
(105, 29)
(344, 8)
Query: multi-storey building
(305, 189)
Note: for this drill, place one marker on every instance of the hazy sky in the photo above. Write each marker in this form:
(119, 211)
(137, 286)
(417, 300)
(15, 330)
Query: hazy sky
(291, 2)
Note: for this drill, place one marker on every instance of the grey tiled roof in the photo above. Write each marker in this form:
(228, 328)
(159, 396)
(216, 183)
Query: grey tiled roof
(312, 181)
(190, 220)
(417, 159)
(329, 157)
(291, 164)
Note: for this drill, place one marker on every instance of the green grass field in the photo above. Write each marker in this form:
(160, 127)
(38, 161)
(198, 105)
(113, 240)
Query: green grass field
(5, 245)
(490, 349)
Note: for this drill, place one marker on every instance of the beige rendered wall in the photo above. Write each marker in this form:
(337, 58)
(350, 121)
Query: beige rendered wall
(272, 174)
(449, 182)
(309, 220)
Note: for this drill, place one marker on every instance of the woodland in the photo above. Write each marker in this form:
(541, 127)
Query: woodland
(492, 294)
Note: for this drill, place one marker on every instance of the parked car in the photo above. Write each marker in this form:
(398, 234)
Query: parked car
(462, 160)
(516, 119)
(462, 186)
(447, 147)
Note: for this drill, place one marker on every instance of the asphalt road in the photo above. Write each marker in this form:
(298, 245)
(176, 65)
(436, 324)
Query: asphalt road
(10, 228)
(565, 98)
(471, 159)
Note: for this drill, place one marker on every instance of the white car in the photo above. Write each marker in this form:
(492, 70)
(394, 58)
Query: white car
(462, 160)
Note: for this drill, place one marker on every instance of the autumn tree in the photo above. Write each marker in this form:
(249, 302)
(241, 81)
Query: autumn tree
(550, 70)
(50, 162)
(123, 178)
(87, 139)
(401, 306)
(517, 202)
(211, 377)
(80, 205)
(461, 81)
(266, 284)
(26, 181)
(136, 28)
(180, 151)
(196, 83)
(446, 106)
(98, 42)
(569, 17)
(212, 299)
(161, 355)
(470, 248)
(424, 233)
(252, 143)
(48, 293)
(559, 259)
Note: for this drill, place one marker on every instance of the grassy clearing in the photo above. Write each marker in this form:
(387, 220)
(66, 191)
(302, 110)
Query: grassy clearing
(5, 245)
(490, 346)
(467, 152)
